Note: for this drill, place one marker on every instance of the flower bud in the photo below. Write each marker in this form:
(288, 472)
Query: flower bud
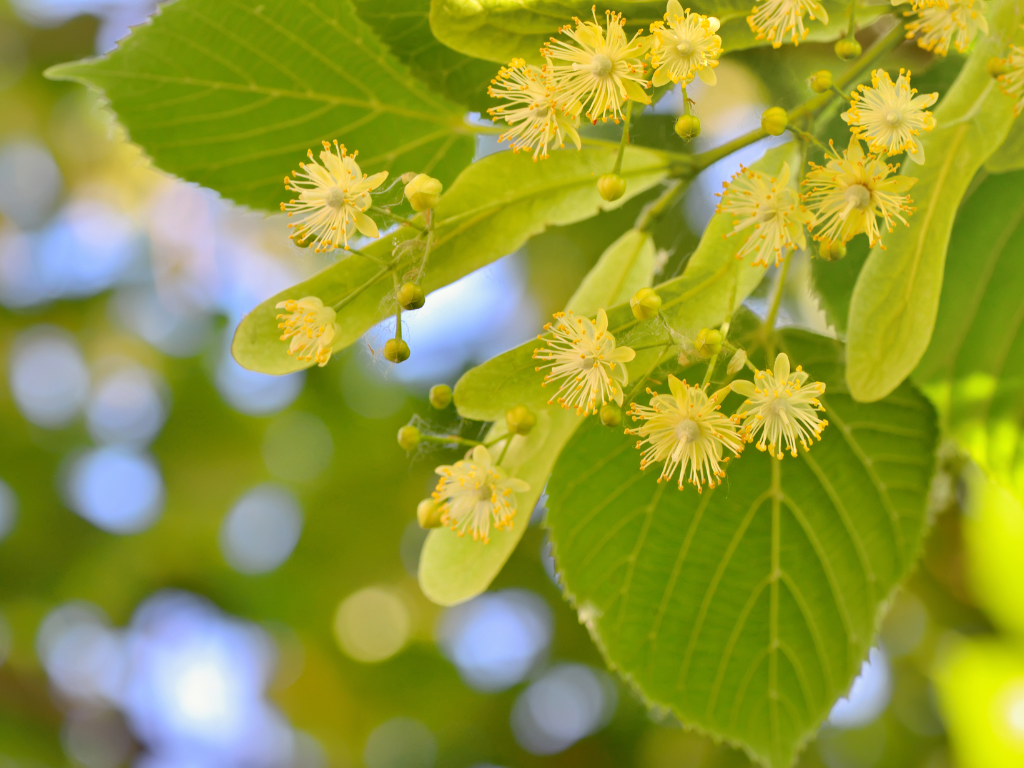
(396, 350)
(408, 176)
(520, 420)
(428, 514)
(820, 81)
(997, 67)
(708, 342)
(410, 296)
(688, 127)
(739, 359)
(645, 304)
(440, 396)
(423, 192)
(848, 49)
(611, 415)
(408, 437)
(831, 250)
(774, 121)
(611, 186)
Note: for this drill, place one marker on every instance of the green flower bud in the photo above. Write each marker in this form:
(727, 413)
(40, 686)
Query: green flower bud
(820, 81)
(440, 396)
(708, 342)
(396, 350)
(997, 67)
(611, 186)
(848, 49)
(423, 192)
(739, 359)
(774, 121)
(611, 415)
(831, 250)
(428, 514)
(645, 304)
(410, 296)
(408, 437)
(688, 127)
(520, 420)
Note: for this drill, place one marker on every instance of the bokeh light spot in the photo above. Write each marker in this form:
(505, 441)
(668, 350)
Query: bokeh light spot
(32, 182)
(8, 509)
(372, 624)
(48, 376)
(868, 697)
(116, 489)
(126, 407)
(261, 530)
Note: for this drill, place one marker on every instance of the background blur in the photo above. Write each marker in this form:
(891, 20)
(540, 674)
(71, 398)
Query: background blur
(206, 567)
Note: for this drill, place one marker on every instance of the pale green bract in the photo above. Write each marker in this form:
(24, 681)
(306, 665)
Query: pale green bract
(747, 609)
(1010, 155)
(232, 94)
(896, 298)
(494, 207)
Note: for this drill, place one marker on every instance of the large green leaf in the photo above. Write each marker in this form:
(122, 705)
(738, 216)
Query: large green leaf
(974, 367)
(231, 94)
(500, 30)
(494, 207)
(404, 25)
(896, 298)
(748, 609)
(1010, 155)
(454, 569)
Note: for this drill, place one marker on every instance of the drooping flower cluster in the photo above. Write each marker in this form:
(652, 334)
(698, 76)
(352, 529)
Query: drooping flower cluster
(333, 199)
(889, 116)
(582, 355)
(535, 119)
(310, 326)
(781, 409)
(769, 211)
(473, 494)
(684, 45)
(938, 23)
(1012, 80)
(848, 194)
(775, 19)
(686, 431)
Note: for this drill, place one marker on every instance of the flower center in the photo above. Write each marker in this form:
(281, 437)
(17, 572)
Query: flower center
(600, 65)
(336, 197)
(686, 47)
(687, 431)
(858, 196)
(894, 117)
(484, 492)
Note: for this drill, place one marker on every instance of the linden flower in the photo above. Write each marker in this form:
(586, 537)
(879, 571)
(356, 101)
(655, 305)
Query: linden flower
(333, 197)
(685, 44)
(1012, 82)
(583, 356)
(782, 407)
(685, 429)
(774, 19)
(888, 116)
(940, 22)
(472, 494)
(311, 326)
(771, 208)
(534, 118)
(848, 193)
(602, 68)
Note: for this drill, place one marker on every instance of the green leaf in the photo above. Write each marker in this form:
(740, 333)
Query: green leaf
(896, 298)
(499, 30)
(404, 25)
(834, 281)
(974, 367)
(1010, 155)
(748, 609)
(454, 569)
(232, 94)
(451, 569)
(494, 207)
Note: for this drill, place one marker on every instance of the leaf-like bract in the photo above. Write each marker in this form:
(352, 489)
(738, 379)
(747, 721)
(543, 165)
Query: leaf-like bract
(747, 609)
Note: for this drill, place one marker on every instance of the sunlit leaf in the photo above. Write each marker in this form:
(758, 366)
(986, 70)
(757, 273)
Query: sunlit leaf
(232, 94)
(747, 609)
(896, 298)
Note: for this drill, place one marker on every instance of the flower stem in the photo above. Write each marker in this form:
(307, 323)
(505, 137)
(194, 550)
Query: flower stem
(398, 219)
(625, 136)
(773, 312)
(358, 291)
(724, 330)
(852, 26)
(398, 310)
(643, 379)
(450, 439)
(369, 256)
(505, 449)
(653, 212)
